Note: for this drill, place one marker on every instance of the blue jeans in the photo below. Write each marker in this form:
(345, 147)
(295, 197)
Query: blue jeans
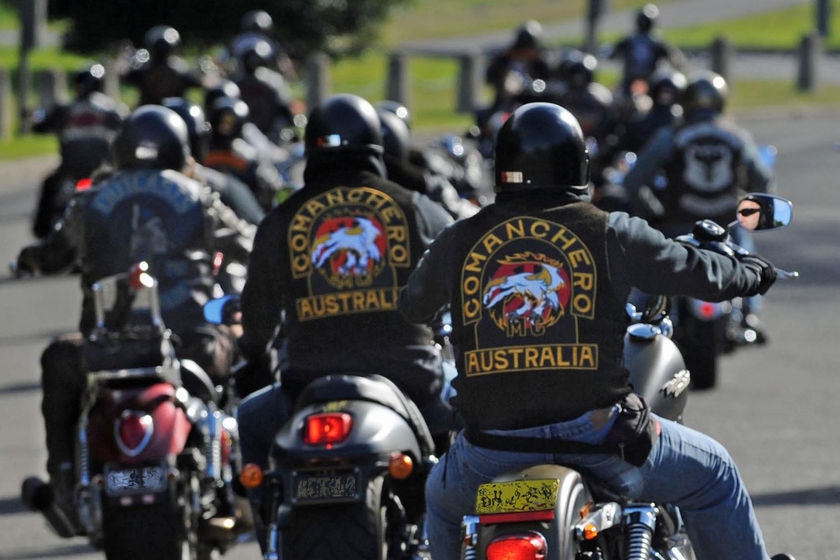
(685, 468)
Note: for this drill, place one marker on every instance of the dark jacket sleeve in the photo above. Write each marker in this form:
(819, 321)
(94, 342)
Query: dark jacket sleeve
(641, 256)
(261, 296)
(427, 290)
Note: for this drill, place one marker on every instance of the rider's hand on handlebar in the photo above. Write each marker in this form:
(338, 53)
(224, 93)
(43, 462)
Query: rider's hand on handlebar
(765, 270)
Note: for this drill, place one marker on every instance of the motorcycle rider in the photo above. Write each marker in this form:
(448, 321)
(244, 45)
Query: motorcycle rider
(147, 210)
(349, 233)
(85, 128)
(266, 92)
(709, 162)
(157, 71)
(257, 26)
(524, 60)
(232, 192)
(396, 143)
(642, 52)
(537, 284)
(230, 152)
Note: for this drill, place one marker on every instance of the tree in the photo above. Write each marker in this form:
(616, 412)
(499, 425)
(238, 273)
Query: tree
(302, 26)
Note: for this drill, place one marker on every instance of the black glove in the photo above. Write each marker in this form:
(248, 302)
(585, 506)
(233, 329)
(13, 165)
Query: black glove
(765, 270)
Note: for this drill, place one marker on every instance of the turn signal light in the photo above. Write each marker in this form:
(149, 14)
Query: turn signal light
(327, 428)
(251, 476)
(520, 546)
(400, 465)
(590, 532)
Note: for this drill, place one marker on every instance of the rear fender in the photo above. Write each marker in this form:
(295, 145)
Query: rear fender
(376, 431)
(547, 499)
(171, 426)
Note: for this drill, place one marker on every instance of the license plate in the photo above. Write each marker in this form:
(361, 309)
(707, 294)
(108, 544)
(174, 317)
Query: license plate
(309, 487)
(517, 496)
(135, 480)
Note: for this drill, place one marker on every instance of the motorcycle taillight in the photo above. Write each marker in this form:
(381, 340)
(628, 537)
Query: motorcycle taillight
(132, 431)
(518, 546)
(327, 428)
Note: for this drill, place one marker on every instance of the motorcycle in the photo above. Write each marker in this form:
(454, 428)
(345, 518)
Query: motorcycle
(353, 458)
(156, 453)
(553, 512)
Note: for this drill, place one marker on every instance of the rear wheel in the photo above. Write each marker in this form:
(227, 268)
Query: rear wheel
(143, 533)
(700, 343)
(354, 531)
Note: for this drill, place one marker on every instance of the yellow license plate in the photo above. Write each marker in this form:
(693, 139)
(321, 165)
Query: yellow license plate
(516, 496)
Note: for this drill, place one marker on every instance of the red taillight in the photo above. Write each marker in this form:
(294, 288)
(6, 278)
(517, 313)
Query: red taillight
(84, 184)
(521, 546)
(132, 431)
(327, 428)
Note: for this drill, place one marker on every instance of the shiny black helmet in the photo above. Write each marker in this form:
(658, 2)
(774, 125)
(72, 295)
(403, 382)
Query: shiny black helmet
(646, 18)
(153, 137)
(225, 88)
(198, 128)
(541, 146)
(89, 79)
(396, 138)
(706, 91)
(256, 20)
(343, 123)
(528, 35)
(399, 109)
(257, 54)
(227, 116)
(579, 70)
(667, 86)
(162, 40)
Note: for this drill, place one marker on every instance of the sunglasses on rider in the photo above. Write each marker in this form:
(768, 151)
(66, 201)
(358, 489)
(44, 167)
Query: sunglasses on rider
(749, 211)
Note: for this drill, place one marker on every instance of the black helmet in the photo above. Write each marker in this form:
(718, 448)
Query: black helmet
(227, 116)
(541, 146)
(257, 54)
(152, 137)
(397, 108)
(89, 79)
(256, 20)
(528, 35)
(197, 126)
(396, 138)
(161, 40)
(225, 88)
(646, 17)
(579, 70)
(343, 122)
(667, 86)
(706, 91)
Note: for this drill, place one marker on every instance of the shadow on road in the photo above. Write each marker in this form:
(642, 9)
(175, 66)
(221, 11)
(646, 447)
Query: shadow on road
(826, 496)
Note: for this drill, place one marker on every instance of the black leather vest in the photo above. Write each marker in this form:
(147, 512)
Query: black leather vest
(538, 330)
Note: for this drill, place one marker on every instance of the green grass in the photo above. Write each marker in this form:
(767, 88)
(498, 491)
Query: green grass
(434, 80)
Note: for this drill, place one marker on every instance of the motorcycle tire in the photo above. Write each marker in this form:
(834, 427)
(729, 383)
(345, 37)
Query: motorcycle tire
(143, 533)
(355, 531)
(700, 348)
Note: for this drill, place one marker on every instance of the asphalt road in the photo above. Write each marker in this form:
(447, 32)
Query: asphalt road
(772, 407)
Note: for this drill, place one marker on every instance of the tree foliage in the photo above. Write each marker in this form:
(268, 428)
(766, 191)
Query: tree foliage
(302, 26)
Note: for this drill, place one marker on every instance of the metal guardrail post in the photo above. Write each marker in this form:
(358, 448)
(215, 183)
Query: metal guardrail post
(810, 49)
(469, 81)
(317, 79)
(398, 84)
(722, 54)
(5, 103)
